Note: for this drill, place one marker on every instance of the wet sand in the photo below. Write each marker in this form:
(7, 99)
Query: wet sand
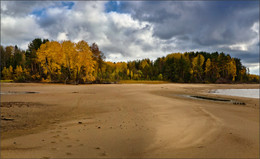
(127, 121)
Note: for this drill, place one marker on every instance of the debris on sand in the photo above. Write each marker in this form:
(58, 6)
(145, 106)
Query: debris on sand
(7, 119)
(239, 103)
(79, 122)
(210, 98)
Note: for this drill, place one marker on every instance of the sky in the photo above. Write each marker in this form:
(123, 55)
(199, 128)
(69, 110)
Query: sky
(130, 30)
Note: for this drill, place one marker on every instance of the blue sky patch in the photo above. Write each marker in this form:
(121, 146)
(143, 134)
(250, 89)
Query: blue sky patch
(39, 12)
(113, 6)
(69, 5)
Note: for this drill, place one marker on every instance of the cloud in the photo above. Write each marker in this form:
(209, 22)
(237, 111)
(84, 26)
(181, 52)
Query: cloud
(231, 27)
(139, 29)
(62, 36)
(207, 23)
(23, 8)
(18, 30)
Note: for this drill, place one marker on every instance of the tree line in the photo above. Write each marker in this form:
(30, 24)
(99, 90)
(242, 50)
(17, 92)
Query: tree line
(69, 62)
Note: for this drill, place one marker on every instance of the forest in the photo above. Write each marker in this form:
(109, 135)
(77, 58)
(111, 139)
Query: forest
(69, 62)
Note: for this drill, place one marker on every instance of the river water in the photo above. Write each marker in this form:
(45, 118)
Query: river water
(250, 93)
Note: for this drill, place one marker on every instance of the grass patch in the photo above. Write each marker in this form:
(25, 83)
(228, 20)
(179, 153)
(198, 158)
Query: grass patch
(141, 82)
(6, 81)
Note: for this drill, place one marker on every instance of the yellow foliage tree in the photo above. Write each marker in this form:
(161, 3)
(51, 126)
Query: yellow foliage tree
(49, 55)
(208, 69)
(18, 73)
(232, 70)
(8, 73)
(197, 63)
(74, 59)
(144, 63)
(68, 59)
(83, 61)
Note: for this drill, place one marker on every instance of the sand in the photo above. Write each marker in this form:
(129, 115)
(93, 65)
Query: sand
(127, 121)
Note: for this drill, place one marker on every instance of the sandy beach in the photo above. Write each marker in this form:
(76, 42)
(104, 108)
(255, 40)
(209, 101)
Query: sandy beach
(127, 121)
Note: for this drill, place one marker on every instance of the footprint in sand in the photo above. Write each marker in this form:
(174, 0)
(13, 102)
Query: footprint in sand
(68, 153)
(55, 136)
(69, 145)
(103, 154)
(53, 142)
(81, 144)
(54, 149)
(66, 137)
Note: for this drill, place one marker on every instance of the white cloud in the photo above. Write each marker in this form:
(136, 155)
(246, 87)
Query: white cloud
(54, 11)
(114, 57)
(253, 68)
(242, 47)
(255, 27)
(125, 21)
(62, 36)
(18, 30)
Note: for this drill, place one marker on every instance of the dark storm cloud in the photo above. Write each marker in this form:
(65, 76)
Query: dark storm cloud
(208, 23)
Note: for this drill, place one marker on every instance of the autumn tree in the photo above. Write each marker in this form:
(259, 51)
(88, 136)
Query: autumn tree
(66, 61)
(98, 57)
(197, 70)
(31, 56)
(71, 62)
(208, 69)
(84, 62)
(7, 73)
(231, 68)
(49, 56)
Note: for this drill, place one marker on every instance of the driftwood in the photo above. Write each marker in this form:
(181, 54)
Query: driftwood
(7, 119)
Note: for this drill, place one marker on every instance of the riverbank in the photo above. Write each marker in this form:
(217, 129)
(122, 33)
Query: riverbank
(126, 120)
